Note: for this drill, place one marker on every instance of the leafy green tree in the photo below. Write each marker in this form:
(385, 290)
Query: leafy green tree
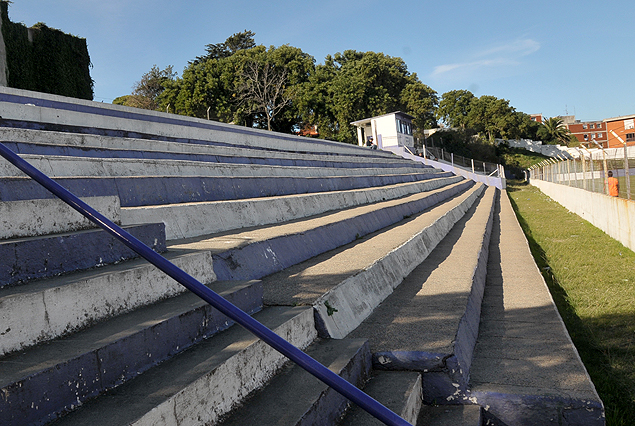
(146, 92)
(488, 115)
(454, 108)
(353, 85)
(553, 131)
(238, 41)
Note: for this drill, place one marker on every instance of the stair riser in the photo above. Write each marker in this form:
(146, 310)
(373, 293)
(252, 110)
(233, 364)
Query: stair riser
(64, 386)
(36, 317)
(42, 257)
(65, 150)
(331, 405)
(51, 216)
(191, 220)
(149, 191)
(259, 259)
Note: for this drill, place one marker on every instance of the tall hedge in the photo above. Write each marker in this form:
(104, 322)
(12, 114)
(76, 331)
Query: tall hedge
(53, 62)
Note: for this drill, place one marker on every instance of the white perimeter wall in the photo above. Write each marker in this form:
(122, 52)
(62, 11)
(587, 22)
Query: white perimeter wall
(615, 216)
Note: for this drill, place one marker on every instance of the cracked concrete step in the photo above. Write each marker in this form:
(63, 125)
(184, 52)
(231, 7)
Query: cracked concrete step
(203, 383)
(431, 321)
(525, 369)
(44, 381)
(193, 219)
(295, 397)
(30, 218)
(30, 258)
(345, 285)
(399, 391)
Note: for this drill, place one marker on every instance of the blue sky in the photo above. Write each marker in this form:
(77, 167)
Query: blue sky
(552, 57)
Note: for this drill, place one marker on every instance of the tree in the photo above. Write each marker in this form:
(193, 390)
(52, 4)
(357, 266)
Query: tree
(554, 131)
(238, 41)
(353, 85)
(488, 115)
(264, 89)
(454, 108)
(146, 92)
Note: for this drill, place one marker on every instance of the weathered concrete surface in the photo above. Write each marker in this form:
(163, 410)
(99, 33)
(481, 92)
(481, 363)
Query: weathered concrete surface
(202, 384)
(30, 258)
(55, 307)
(451, 415)
(399, 391)
(30, 218)
(58, 165)
(137, 148)
(295, 397)
(431, 321)
(195, 219)
(613, 215)
(526, 370)
(43, 382)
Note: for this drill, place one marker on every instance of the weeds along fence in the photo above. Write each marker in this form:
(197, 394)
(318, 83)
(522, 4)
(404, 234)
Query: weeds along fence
(590, 171)
(476, 166)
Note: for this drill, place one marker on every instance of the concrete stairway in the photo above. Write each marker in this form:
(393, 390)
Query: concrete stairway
(377, 266)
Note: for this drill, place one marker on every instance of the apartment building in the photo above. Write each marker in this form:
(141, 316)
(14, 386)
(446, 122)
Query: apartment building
(624, 127)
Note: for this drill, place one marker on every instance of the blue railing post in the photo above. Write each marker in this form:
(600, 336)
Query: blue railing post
(278, 343)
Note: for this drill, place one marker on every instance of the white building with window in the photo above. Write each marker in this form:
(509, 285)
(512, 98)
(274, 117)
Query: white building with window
(388, 130)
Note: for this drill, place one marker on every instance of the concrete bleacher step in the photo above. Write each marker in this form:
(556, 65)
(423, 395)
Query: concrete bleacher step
(47, 380)
(193, 219)
(30, 258)
(254, 253)
(345, 285)
(399, 391)
(430, 323)
(136, 191)
(42, 310)
(34, 217)
(295, 397)
(203, 383)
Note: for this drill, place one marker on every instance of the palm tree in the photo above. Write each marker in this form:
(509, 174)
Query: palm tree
(554, 131)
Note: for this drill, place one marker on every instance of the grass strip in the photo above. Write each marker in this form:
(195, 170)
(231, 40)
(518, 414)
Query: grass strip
(591, 277)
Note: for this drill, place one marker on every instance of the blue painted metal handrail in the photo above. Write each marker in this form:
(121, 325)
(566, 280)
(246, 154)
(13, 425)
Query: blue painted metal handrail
(278, 343)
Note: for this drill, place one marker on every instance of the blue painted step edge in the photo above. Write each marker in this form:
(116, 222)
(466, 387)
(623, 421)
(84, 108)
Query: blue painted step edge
(31, 258)
(44, 395)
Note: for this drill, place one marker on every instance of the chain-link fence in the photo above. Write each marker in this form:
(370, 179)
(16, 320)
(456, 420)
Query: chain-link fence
(590, 172)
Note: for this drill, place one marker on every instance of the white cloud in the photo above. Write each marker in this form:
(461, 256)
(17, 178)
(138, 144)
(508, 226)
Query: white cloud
(491, 59)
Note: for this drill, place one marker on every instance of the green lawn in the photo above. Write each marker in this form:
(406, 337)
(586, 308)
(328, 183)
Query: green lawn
(592, 279)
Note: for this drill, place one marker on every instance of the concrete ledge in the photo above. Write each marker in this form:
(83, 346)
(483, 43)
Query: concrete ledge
(39, 387)
(33, 313)
(196, 219)
(60, 166)
(31, 258)
(135, 191)
(31, 218)
(357, 297)
(83, 140)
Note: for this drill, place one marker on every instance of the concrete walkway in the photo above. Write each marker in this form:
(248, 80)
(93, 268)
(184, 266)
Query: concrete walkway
(525, 368)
